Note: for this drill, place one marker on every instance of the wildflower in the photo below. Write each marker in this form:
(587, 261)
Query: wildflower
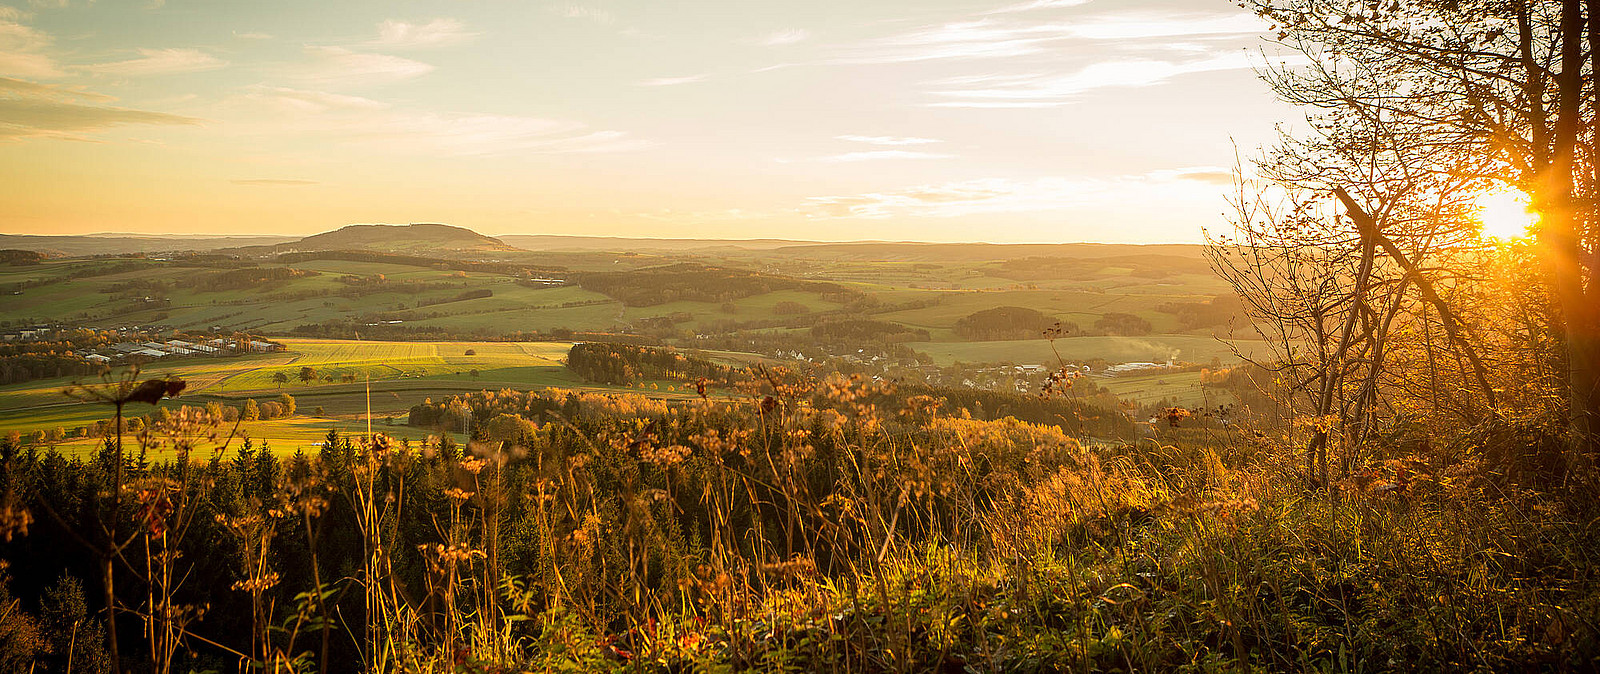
(664, 456)
(473, 465)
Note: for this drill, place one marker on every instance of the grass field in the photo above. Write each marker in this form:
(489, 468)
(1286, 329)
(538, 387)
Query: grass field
(1177, 388)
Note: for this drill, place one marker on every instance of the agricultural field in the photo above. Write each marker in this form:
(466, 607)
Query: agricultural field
(440, 307)
(400, 374)
(925, 290)
(1175, 388)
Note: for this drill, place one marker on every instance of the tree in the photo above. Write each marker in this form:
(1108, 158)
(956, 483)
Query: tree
(308, 374)
(74, 636)
(509, 428)
(1499, 92)
(789, 308)
(280, 379)
(251, 411)
(287, 401)
(1128, 325)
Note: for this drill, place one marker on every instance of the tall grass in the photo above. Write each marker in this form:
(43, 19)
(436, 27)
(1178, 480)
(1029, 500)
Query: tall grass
(829, 526)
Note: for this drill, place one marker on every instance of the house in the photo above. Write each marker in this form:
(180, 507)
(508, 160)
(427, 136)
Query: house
(96, 358)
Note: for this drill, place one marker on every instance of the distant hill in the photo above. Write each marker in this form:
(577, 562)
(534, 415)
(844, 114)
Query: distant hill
(912, 251)
(449, 241)
(613, 244)
(118, 244)
(425, 237)
(851, 250)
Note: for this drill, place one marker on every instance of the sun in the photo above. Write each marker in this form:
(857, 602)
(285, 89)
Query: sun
(1504, 214)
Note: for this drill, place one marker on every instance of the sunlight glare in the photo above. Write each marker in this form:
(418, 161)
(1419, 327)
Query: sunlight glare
(1505, 215)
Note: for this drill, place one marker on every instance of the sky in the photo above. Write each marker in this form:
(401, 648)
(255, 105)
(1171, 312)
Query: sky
(929, 120)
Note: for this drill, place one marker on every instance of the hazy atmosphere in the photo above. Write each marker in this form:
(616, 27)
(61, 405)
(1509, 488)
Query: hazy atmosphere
(1036, 121)
(1020, 336)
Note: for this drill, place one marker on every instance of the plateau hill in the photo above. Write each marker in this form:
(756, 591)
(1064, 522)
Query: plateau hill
(413, 238)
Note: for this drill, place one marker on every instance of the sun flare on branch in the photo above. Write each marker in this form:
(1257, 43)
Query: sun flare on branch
(1504, 214)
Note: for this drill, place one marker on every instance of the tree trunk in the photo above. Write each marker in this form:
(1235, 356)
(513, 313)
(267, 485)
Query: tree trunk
(1560, 234)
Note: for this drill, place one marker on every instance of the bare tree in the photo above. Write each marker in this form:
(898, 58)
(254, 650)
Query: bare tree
(1491, 91)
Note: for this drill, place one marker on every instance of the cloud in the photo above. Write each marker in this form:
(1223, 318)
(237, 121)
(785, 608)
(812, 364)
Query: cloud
(981, 38)
(160, 62)
(1153, 191)
(1050, 90)
(283, 101)
(15, 88)
(45, 118)
(782, 37)
(394, 34)
(671, 81)
(34, 110)
(330, 66)
(994, 36)
(362, 121)
(274, 182)
(23, 50)
(252, 35)
(1037, 5)
(888, 140)
(1211, 175)
(594, 14)
(1141, 26)
(876, 155)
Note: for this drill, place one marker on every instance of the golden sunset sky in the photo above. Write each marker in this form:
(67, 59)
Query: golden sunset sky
(994, 120)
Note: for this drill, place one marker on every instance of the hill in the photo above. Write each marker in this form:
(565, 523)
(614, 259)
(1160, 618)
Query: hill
(610, 244)
(399, 239)
(980, 252)
(119, 244)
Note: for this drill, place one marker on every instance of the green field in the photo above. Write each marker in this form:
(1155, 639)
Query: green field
(921, 287)
(400, 374)
(1176, 388)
